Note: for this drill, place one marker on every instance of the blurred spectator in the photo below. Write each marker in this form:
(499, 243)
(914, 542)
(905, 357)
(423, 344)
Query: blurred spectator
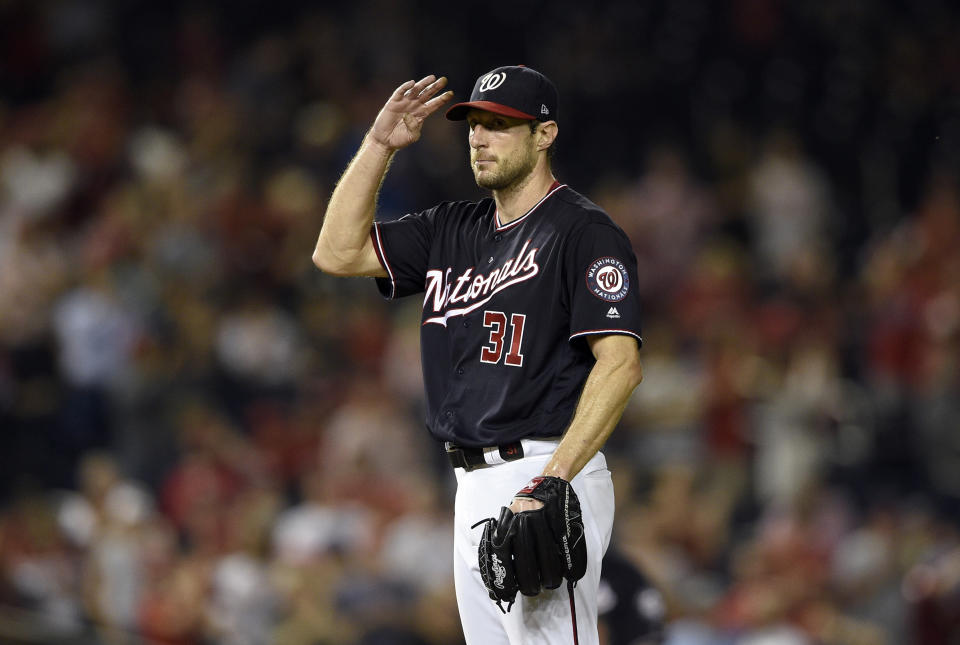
(321, 524)
(632, 611)
(106, 520)
(790, 208)
(412, 543)
(667, 216)
(243, 601)
(258, 344)
(96, 339)
(37, 571)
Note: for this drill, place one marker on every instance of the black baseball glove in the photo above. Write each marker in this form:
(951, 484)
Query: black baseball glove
(534, 550)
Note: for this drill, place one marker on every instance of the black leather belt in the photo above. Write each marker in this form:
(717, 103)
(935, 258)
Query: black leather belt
(470, 458)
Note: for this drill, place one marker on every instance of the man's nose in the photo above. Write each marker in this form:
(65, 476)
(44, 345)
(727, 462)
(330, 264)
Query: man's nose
(478, 136)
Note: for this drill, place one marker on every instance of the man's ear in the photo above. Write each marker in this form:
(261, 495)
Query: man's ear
(546, 133)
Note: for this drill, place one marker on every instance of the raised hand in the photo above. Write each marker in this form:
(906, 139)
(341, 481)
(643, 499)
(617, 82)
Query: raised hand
(401, 119)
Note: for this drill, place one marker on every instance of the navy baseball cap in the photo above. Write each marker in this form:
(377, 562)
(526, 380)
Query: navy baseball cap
(514, 90)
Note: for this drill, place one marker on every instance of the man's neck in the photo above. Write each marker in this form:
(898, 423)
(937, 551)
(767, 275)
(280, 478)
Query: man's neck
(516, 200)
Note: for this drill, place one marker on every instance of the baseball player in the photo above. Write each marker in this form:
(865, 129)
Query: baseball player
(530, 338)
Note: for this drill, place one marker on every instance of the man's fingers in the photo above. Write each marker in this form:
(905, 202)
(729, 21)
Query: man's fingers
(400, 91)
(433, 88)
(520, 504)
(431, 105)
(417, 88)
(422, 91)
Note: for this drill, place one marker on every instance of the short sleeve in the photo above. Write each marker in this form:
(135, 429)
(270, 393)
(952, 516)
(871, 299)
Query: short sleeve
(601, 276)
(403, 248)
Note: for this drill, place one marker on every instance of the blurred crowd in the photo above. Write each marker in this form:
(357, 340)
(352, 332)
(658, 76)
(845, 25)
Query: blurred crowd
(206, 440)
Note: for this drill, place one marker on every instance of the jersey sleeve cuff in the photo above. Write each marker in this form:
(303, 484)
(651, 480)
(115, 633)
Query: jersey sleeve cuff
(387, 286)
(603, 332)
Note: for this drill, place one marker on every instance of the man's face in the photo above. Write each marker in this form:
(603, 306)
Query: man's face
(502, 149)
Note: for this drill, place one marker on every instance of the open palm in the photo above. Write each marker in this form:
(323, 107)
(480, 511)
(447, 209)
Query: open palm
(401, 119)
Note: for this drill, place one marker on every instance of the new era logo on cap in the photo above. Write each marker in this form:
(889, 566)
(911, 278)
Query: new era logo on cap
(515, 91)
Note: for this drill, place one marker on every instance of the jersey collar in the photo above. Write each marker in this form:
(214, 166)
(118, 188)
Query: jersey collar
(502, 227)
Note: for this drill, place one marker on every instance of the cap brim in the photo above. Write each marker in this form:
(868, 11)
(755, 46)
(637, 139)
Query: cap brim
(459, 111)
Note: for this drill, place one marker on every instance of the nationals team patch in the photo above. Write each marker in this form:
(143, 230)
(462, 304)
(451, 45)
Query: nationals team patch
(607, 279)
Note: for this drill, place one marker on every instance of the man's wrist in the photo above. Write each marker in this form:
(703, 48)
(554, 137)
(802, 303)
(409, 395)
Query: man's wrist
(556, 470)
(379, 147)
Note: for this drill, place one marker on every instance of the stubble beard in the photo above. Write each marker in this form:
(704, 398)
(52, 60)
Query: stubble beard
(509, 172)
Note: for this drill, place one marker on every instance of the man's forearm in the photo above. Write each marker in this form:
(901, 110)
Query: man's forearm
(604, 397)
(343, 247)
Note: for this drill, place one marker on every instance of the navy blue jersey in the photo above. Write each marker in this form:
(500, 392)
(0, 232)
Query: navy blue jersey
(506, 309)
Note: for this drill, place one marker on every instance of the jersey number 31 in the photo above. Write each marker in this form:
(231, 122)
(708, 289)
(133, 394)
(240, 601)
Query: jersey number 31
(496, 321)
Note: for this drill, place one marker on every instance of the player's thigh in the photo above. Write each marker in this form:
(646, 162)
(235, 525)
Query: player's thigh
(480, 495)
(479, 616)
(547, 619)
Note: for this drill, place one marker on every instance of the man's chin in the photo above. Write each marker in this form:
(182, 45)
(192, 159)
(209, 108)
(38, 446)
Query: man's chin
(484, 180)
(499, 178)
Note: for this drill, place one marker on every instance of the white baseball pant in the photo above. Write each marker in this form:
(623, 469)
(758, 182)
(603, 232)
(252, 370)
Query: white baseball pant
(545, 619)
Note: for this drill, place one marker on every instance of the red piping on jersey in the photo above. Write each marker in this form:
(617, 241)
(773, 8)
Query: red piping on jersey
(606, 331)
(378, 247)
(502, 227)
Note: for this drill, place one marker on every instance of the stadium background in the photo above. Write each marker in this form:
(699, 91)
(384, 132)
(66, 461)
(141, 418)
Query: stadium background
(206, 440)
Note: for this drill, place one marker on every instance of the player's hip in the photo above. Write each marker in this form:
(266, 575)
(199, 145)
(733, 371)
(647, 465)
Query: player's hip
(481, 492)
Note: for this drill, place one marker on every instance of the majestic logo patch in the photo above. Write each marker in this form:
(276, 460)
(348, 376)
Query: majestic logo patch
(613, 313)
(492, 81)
(607, 279)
